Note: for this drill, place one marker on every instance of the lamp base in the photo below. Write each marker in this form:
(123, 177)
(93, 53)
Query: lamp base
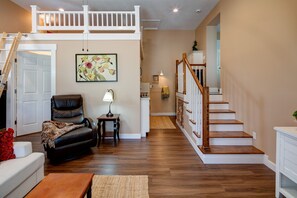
(109, 114)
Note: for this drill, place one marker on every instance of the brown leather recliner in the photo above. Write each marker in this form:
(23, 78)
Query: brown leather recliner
(69, 108)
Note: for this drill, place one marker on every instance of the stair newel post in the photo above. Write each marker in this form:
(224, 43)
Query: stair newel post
(176, 75)
(205, 136)
(184, 73)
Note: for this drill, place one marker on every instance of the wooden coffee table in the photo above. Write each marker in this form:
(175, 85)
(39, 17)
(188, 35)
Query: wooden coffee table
(64, 185)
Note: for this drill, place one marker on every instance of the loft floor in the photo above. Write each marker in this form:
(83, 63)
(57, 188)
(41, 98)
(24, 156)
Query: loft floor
(173, 167)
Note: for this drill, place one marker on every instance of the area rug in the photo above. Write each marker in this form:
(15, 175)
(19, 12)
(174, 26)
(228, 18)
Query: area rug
(161, 122)
(120, 186)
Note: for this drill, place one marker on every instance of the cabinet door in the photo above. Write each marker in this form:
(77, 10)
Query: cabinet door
(288, 155)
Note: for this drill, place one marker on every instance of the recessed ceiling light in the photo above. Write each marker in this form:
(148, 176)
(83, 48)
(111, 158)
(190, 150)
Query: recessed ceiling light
(61, 9)
(198, 11)
(175, 10)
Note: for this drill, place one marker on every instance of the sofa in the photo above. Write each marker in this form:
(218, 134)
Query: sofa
(18, 176)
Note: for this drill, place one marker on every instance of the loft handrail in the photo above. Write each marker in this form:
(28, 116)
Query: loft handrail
(85, 20)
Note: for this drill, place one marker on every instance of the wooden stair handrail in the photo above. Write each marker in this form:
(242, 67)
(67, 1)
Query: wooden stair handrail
(186, 62)
(8, 61)
(205, 101)
(202, 64)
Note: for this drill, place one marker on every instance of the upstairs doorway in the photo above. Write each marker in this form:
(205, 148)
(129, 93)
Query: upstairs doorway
(213, 51)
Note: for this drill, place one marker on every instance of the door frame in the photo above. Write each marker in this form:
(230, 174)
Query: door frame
(11, 96)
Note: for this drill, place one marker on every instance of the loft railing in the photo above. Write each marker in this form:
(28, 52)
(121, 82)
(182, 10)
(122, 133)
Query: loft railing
(85, 20)
(196, 97)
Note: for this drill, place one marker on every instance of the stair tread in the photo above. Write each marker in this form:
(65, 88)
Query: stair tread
(222, 149)
(229, 134)
(215, 93)
(218, 102)
(225, 121)
(221, 111)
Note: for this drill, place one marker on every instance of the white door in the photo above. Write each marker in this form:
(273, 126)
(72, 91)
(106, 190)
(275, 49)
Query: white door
(33, 92)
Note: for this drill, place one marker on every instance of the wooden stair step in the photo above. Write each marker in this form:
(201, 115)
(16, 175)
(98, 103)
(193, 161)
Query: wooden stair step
(221, 111)
(225, 122)
(229, 134)
(222, 149)
(218, 102)
(215, 93)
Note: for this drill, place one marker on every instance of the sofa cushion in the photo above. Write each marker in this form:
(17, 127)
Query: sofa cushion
(15, 171)
(22, 149)
(6, 145)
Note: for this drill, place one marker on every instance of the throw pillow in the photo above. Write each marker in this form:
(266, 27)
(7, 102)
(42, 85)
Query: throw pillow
(6, 145)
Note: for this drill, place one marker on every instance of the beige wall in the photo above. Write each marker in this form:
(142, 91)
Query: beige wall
(161, 49)
(127, 89)
(14, 18)
(259, 65)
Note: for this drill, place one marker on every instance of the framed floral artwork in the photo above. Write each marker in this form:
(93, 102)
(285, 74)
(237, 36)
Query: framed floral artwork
(96, 67)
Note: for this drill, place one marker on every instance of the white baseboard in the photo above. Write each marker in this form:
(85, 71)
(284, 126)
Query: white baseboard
(163, 114)
(268, 163)
(130, 136)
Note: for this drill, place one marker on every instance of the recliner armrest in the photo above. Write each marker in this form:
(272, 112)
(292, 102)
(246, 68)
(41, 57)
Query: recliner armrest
(90, 123)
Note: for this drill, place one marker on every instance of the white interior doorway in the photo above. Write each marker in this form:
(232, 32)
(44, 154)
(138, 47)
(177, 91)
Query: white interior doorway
(213, 73)
(33, 79)
(31, 84)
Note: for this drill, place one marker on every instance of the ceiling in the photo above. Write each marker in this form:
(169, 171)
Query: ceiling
(155, 14)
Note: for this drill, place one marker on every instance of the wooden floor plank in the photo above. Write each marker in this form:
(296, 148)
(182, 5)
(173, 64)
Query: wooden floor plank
(173, 167)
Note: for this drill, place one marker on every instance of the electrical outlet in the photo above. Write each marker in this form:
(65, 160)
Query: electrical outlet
(254, 135)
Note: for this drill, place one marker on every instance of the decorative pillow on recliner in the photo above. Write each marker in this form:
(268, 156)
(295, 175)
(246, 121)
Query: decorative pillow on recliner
(6, 145)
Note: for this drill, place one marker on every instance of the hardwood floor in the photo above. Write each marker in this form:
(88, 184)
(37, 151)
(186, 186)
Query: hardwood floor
(173, 167)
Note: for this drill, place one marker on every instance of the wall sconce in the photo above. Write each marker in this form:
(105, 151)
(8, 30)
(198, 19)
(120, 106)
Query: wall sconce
(109, 97)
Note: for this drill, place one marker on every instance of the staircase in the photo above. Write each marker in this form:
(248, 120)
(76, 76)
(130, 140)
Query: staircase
(229, 144)
(210, 125)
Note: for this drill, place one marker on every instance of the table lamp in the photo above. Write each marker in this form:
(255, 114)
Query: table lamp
(109, 97)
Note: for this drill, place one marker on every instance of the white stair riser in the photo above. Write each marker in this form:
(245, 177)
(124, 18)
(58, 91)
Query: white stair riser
(221, 116)
(226, 127)
(231, 141)
(232, 159)
(215, 98)
(218, 106)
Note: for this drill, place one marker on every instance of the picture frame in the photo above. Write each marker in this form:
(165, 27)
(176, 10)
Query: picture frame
(96, 67)
(155, 78)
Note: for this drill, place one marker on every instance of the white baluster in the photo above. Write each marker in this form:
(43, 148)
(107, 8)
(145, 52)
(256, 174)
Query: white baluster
(35, 18)
(86, 18)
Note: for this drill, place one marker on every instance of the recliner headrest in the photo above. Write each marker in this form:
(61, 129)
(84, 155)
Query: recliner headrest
(63, 102)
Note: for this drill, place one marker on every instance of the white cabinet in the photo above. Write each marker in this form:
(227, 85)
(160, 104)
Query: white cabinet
(145, 116)
(286, 162)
